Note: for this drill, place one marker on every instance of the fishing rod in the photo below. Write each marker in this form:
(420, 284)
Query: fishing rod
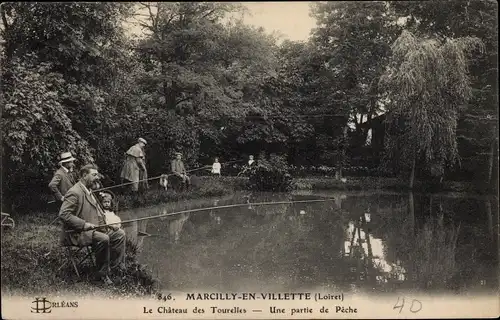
(205, 209)
(232, 161)
(129, 183)
(158, 177)
(153, 178)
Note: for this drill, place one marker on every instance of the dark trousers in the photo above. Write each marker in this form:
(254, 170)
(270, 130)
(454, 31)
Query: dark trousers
(180, 182)
(109, 250)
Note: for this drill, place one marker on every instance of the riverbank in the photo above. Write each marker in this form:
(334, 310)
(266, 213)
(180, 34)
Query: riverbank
(31, 255)
(377, 183)
(357, 184)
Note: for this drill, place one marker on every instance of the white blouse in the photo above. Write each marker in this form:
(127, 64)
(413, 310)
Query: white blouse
(216, 168)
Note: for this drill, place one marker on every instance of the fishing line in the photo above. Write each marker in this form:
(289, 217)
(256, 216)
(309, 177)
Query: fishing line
(208, 208)
(128, 183)
(148, 179)
(153, 178)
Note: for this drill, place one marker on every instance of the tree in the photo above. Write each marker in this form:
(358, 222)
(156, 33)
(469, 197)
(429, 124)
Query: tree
(477, 129)
(354, 39)
(35, 127)
(59, 63)
(210, 74)
(427, 83)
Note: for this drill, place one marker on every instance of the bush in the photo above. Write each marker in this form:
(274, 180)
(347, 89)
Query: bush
(270, 175)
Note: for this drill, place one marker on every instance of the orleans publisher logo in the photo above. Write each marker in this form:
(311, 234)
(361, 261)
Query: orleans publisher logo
(41, 306)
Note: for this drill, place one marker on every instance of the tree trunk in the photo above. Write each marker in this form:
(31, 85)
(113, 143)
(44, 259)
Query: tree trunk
(490, 162)
(411, 212)
(489, 216)
(412, 174)
(370, 272)
(340, 163)
(430, 204)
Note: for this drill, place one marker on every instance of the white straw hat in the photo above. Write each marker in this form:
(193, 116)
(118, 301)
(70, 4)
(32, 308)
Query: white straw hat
(66, 157)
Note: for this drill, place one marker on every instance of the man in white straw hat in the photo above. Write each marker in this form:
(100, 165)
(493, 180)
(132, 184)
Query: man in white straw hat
(63, 178)
(134, 167)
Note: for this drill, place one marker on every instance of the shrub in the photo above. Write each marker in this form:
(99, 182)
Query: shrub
(270, 175)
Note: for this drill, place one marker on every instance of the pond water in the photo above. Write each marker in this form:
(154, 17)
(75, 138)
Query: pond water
(353, 241)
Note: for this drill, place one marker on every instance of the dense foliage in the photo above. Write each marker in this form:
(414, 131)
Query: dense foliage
(427, 85)
(200, 81)
(270, 175)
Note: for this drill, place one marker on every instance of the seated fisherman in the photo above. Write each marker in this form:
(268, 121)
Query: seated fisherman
(82, 215)
(178, 169)
(250, 164)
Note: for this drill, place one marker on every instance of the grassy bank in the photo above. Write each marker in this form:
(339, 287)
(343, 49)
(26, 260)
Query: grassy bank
(31, 254)
(355, 184)
(376, 183)
(31, 257)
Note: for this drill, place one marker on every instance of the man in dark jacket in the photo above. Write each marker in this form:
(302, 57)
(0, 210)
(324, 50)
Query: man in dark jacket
(63, 178)
(82, 214)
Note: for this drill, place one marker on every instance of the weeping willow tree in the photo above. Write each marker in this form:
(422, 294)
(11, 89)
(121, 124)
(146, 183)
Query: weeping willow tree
(427, 84)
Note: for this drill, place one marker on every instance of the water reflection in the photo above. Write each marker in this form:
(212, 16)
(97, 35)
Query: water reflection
(354, 241)
(175, 226)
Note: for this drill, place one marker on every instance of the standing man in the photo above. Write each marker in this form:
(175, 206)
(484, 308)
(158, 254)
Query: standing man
(63, 178)
(82, 215)
(134, 167)
(179, 170)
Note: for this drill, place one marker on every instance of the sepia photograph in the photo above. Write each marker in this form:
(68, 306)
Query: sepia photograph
(255, 160)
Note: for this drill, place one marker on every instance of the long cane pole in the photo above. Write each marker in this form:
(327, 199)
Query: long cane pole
(129, 183)
(209, 208)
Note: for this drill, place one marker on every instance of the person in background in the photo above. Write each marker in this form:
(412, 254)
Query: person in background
(82, 215)
(247, 167)
(250, 160)
(63, 178)
(216, 167)
(134, 166)
(178, 169)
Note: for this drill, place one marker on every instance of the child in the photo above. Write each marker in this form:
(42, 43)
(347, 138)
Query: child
(216, 167)
(164, 181)
(109, 215)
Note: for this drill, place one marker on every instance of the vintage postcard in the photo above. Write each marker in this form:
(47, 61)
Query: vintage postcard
(249, 160)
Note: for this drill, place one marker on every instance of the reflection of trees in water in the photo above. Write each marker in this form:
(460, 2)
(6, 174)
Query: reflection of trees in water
(301, 248)
(270, 245)
(283, 248)
(433, 255)
(423, 252)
